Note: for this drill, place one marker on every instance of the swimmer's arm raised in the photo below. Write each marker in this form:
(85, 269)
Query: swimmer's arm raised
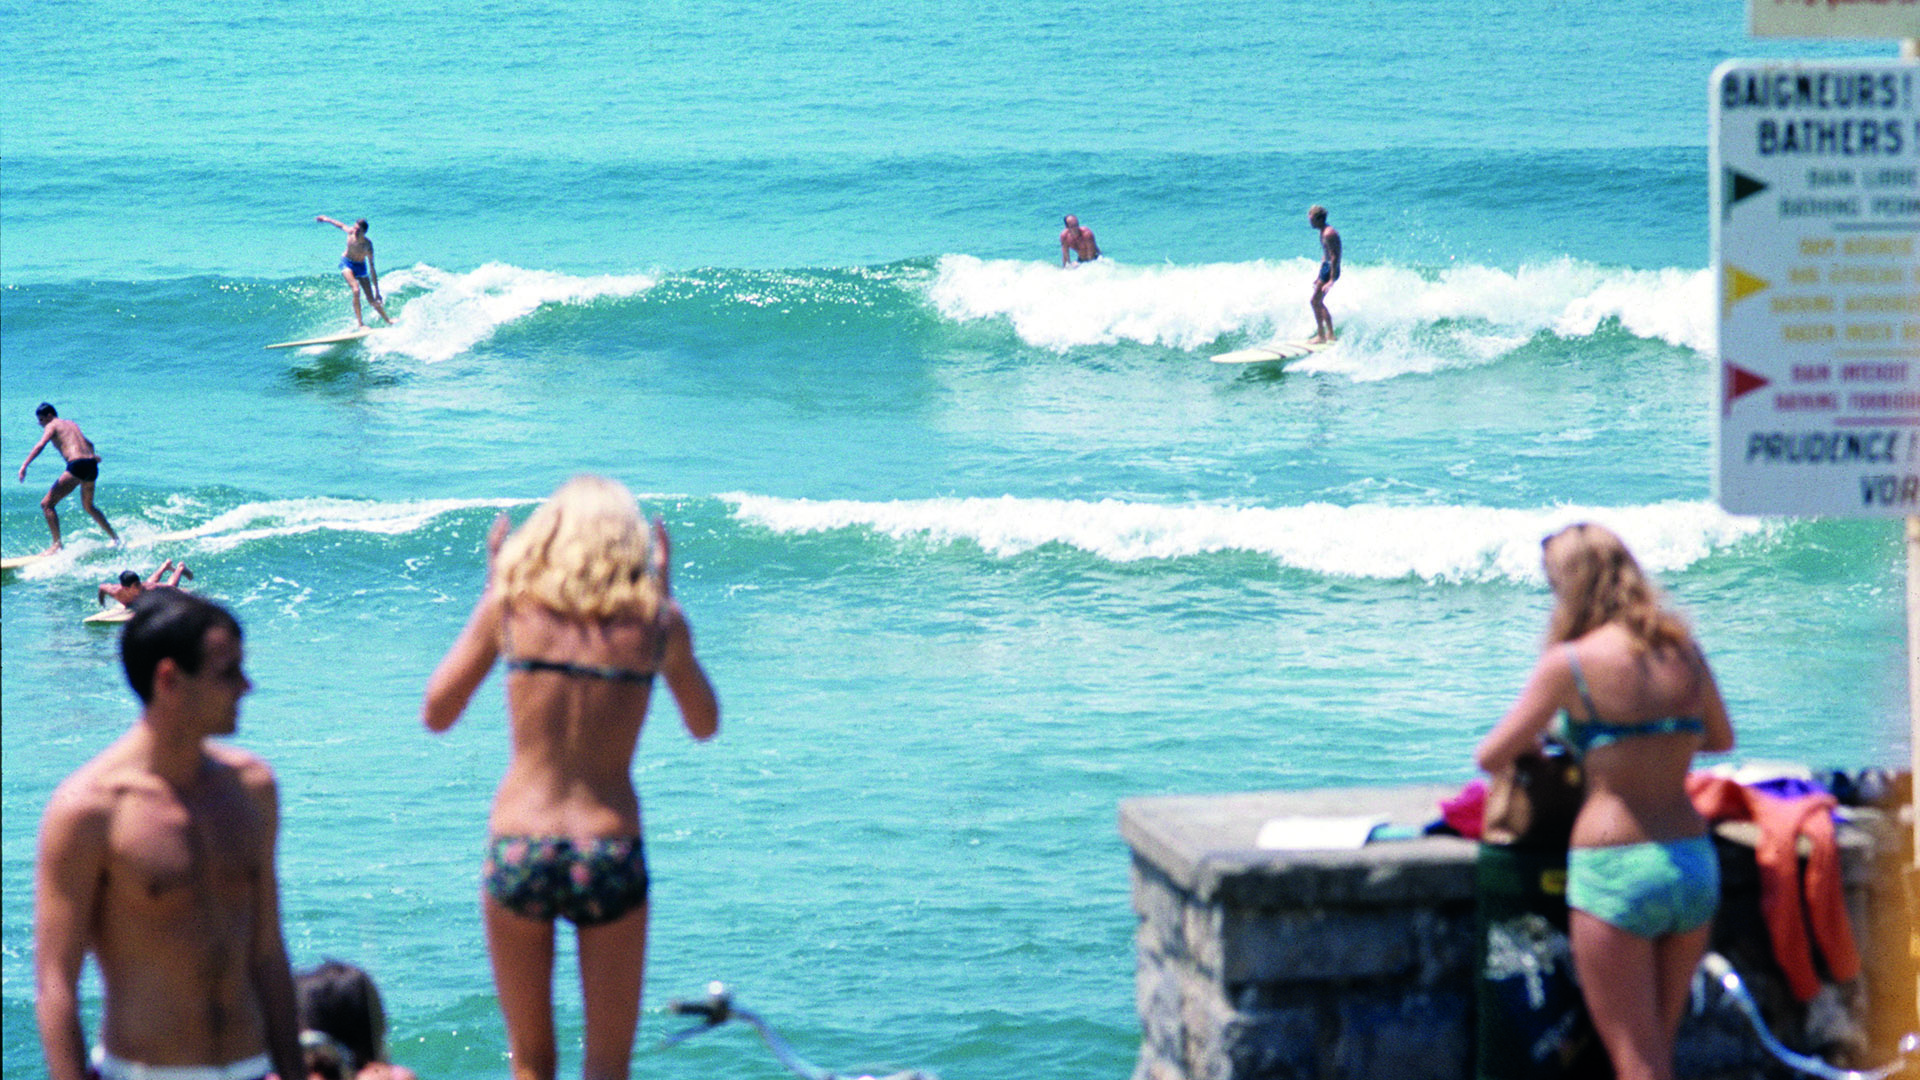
(325, 220)
(699, 706)
(66, 890)
(464, 667)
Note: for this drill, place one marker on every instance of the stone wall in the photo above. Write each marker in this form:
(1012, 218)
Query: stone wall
(1327, 965)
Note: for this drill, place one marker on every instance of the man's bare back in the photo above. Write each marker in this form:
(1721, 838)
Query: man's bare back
(68, 439)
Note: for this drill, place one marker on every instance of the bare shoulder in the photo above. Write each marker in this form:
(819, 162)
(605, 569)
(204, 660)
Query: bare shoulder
(248, 769)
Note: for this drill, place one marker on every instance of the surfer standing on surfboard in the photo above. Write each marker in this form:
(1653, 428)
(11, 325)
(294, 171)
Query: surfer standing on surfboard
(83, 468)
(1329, 273)
(356, 266)
(1076, 240)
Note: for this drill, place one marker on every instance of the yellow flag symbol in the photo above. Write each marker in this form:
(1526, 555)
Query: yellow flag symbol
(1740, 285)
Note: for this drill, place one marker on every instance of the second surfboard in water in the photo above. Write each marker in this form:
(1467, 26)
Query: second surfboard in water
(330, 339)
(1269, 354)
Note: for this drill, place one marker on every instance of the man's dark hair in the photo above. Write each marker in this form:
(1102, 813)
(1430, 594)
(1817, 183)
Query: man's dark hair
(169, 624)
(45, 410)
(363, 226)
(341, 1000)
(129, 578)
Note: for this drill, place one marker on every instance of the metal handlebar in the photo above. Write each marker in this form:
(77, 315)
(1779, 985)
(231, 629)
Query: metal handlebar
(1717, 969)
(718, 1008)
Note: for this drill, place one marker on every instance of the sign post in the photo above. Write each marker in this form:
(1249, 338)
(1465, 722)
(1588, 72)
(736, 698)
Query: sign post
(1815, 177)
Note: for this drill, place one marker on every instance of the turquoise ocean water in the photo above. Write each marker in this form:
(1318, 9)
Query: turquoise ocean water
(974, 548)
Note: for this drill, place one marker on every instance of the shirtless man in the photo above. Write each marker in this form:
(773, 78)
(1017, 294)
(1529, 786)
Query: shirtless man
(1075, 240)
(1329, 273)
(356, 266)
(129, 587)
(157, 857)
(83, 468)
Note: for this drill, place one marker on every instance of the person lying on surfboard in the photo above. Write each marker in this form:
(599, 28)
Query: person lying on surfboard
(1329, 273)
(129, 587)
(83, 468)
(1078, 240)
(356, 266)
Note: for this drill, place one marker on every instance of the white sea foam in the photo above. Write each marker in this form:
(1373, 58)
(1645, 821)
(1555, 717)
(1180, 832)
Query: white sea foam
(444, 314)
(1393, 319)
(278, 518)
(1434, 543)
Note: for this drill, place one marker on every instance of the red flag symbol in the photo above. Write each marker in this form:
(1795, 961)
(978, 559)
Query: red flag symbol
(1738, 383)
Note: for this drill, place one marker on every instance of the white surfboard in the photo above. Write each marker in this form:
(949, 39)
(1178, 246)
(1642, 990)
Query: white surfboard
(118, 613)
(329, 339)
(1269, 354)
(19, 561)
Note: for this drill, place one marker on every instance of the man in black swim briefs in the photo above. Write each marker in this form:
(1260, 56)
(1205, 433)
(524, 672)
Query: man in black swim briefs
(1329, 273)
(83, 468)
(356, 266)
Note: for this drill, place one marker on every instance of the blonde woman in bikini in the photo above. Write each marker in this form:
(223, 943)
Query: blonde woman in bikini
(578, 608)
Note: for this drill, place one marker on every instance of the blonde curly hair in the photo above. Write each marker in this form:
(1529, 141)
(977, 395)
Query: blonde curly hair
(1597, 581)
(585, 554)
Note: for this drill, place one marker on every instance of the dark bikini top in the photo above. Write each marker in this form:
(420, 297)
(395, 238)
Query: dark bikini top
(1586, 735)
(572, 670)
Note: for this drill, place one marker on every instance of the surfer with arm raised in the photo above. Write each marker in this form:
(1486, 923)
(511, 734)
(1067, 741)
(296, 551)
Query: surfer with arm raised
(356, 266)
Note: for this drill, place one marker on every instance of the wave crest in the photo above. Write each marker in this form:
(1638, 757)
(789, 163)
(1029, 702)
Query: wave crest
(1433, 543)
(1394, 319)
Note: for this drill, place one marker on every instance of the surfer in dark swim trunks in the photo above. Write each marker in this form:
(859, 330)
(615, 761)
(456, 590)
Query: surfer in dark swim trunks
(356, 266)
(83, 468)
(1077, 240)
(1329, 273)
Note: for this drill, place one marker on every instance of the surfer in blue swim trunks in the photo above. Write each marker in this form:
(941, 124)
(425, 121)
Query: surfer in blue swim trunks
(1329, 273)
(1636, 700)
(356, 266)
(83, 468)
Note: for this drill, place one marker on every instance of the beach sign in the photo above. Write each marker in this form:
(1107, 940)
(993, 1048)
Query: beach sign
(1815, 177)
(1834, 18)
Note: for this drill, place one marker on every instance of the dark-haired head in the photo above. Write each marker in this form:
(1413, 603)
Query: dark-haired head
(362, 225)
(45, 412)
(341, 1001)
(169, 624)
(129, 579)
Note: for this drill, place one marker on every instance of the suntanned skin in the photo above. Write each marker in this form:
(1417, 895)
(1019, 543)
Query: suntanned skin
(571, 774)
(1077, 240)
(127, 594)
(359, 249)
(157, 857)
(65, 436)
(1636, 988)
(1329, 254)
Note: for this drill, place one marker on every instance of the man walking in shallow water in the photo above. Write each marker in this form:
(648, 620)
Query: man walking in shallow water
(157, 857)
(356, 266)
(83, 468)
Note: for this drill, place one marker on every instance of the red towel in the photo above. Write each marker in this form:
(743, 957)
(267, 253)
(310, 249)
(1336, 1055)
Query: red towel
(1782, 822)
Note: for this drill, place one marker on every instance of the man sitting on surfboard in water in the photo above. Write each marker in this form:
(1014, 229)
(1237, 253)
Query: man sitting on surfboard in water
(1329, 273)
(83, 468)
(357, 266)
(129, 587)
(1075, 240)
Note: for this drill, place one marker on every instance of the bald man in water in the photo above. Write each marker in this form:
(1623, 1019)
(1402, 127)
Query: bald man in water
(1078, 240)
